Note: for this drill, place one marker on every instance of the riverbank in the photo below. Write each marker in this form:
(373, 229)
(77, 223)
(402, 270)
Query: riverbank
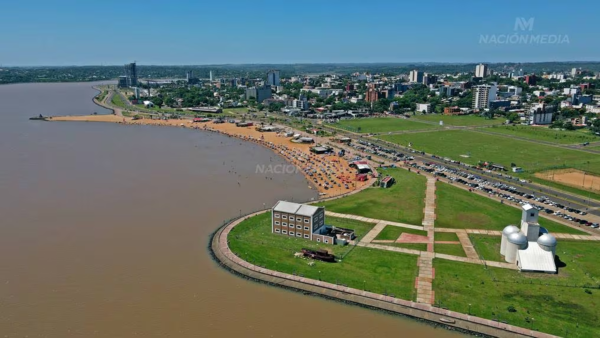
(330, 175)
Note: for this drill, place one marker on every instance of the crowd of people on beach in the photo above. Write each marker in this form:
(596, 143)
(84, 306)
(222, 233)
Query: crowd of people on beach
(325, 171)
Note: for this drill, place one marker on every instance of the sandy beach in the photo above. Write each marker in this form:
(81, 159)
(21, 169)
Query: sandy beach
(329, 174)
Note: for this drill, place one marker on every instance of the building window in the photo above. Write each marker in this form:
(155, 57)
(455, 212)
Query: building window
(276, 222)
(299, 226)
(298, 234)
(284, 223)
(276, 215)
(305, 228)
(284, 216)
(291, 233)
(291, 226)
(306, 220)
(326, 241)
(532, 214)
(305, 236)
(319, 240)
(291, 218)
(284, 232)
(276, 230)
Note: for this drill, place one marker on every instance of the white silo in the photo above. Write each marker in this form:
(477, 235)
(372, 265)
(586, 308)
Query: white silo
(547, 242)
(516, 241)
(510, 229)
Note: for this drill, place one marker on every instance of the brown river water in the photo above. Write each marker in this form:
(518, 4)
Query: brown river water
(104, 231)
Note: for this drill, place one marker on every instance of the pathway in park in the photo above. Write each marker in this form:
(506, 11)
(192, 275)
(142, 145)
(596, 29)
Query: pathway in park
(424, 281)
(463, 237)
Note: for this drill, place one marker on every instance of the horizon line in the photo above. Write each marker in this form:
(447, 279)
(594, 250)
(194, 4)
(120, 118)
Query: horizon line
(302, 63)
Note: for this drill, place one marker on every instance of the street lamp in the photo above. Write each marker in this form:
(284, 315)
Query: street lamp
(532, 320)
(319, 275)
(364, 285)
(469, 309)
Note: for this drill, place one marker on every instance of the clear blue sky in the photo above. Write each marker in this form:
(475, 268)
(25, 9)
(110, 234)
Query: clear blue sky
(110, 32)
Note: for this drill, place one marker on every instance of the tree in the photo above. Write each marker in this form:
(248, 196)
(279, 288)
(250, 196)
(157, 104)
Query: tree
(596, 126)
(568, 126)
(158, 101)
(512, 117)
(169, 101)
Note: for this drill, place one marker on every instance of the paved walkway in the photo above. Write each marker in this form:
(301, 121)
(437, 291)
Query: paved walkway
(370, 236)
(463, 237)
(499, 233)
(424, 281)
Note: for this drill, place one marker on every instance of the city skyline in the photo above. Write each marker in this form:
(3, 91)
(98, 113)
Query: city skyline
(235, 32)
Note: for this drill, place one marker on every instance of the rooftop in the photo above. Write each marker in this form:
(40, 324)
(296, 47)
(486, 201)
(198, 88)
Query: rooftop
(534, 258)
(295, 208)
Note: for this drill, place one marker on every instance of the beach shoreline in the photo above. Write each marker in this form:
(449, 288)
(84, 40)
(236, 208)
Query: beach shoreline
(330, 175)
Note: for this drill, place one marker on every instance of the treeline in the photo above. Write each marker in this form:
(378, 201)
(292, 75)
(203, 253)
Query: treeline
(96, 73)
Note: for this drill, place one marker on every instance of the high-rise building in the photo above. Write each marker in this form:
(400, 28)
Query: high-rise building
(273, 77)
(481, 70)
(258, 93)
(210, 76)
(122, 81)
(131, 74)
(189, 75)
(483, 95)
(372, 95)
(574, 72)
(429, 79)
(530, 79)
(415, 76)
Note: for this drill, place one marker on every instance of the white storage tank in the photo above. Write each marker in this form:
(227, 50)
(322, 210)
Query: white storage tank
(547, 242)
(510, 229)
(515, 242)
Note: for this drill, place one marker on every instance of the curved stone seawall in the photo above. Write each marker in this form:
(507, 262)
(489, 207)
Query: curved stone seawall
(219, 250)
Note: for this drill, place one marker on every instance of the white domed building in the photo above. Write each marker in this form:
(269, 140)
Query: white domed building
(532, 248)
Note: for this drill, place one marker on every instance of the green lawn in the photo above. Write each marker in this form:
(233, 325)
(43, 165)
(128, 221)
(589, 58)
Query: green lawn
(445, 236)
(450, 249)
(496, 148)
(413, 246)
(556, 303)
(117, 100)
(391, 232)
(403, 202)
(382, 125)
(546, 134)
(488, 247)
(461, 209)
(377, 270)
(464, 120)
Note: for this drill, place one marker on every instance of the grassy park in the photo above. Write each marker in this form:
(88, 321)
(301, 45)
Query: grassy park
(464, 120)
(392, 233)
(412, 246)
(461, 209)
(499, 149)
(403, 202)
(376, 270)
(450, 249)
(487, 247)
(565, 304)
(117, 100)
(546, 134)
(445, 237)
(382, 125)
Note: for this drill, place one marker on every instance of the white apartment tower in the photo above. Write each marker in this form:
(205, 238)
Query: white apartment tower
(481, 70)
(483, 95)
